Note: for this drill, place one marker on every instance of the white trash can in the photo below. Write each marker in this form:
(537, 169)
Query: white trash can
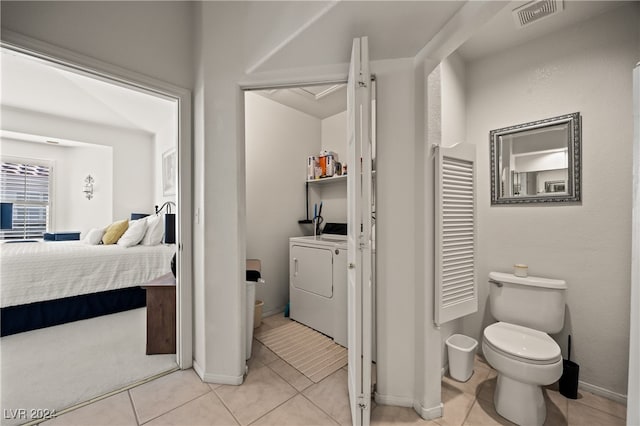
(251, 302)
(461, 350)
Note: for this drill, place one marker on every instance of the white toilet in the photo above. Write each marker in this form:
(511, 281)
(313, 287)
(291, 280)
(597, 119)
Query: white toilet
(518, 346)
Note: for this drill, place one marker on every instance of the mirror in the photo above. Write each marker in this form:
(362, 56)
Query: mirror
(537, 162)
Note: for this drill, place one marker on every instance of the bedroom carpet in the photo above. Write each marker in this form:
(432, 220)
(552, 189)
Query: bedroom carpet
(311, 353)
(61, 366)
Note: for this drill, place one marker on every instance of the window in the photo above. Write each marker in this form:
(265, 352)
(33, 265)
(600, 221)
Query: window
(25, 184)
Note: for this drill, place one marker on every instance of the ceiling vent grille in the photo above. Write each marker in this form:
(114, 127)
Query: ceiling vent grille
(535, 11)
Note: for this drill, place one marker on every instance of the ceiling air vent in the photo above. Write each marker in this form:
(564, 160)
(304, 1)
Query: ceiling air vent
(535, 11)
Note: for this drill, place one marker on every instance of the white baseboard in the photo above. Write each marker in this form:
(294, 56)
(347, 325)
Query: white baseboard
(399, 401)
(444, 370)
(605, 393)
(278, 310)
(429, 413)
(216, 378)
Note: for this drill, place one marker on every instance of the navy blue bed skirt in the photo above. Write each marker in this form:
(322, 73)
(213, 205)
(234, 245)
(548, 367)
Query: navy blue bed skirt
(16, 319)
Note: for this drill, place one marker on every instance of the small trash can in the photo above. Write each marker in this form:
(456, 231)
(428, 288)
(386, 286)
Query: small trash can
(257, 314)
(461, 350)
(251, 301)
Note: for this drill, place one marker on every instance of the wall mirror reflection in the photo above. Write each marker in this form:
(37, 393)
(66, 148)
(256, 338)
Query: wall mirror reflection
(537, 162)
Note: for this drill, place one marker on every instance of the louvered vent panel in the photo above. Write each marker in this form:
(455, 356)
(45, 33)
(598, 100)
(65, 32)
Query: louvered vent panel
(458, 237)
(456, 289)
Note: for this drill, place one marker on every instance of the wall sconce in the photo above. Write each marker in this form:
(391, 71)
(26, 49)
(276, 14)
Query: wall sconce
(88, 187)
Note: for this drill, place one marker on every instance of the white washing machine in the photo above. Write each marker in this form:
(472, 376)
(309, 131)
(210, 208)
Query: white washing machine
(318, 284)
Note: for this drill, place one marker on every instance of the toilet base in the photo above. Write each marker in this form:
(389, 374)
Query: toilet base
(519, 402)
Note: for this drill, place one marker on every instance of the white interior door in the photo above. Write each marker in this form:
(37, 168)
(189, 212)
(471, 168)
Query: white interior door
(359, 199)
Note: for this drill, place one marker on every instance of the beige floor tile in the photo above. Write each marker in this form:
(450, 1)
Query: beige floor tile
(295, 412)
(205, 410)
(483, 413)
(603, 404)
(581, 414)
(291, 375)
(332, 396)
(275, 320)
(471, 386)
(261, 353)
(487, 389)
(387, 415)
(457, 405)
(480, 360)
(557, 407)
(261, 392)
(114, 410)
(162, 395)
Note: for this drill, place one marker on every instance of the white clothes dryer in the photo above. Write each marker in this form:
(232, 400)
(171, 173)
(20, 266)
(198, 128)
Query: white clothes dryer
(318, 284)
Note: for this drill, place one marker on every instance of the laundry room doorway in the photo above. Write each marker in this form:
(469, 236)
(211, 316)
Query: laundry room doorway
(297, 217)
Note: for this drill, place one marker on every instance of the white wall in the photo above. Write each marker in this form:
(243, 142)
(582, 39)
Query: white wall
(333, 195)
(278, 141)
(152, 38)
(132, 154)
(70, 210)
(165, 139)
(447, 119)
(585, 68)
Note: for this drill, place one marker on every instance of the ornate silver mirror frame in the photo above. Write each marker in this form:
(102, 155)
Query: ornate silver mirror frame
(537, 162)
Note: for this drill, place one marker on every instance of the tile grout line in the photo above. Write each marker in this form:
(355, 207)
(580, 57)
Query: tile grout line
(320, 408)
(276, 407)
(179, 406)
(133, 407)
(225, 406)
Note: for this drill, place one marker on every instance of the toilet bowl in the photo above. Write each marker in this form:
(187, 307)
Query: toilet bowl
(518, 346)
(525, 360)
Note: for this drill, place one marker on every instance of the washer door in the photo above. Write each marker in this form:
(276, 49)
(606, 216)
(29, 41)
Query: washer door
(312, 270)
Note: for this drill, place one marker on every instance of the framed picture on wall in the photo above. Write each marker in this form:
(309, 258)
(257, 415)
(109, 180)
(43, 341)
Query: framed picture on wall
(169, 176)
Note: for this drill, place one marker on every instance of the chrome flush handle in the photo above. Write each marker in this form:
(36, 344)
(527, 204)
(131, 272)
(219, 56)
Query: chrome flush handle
(498, 283)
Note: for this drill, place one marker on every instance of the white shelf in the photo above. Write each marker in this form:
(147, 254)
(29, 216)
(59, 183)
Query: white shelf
(341, 178)
(323, 181)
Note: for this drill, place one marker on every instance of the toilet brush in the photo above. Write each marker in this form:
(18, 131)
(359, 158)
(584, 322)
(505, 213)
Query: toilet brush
(569, 379)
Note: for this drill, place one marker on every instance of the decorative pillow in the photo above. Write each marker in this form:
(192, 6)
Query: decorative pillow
(94, 236)
(133, 235)
(114, 231)
(155, 231)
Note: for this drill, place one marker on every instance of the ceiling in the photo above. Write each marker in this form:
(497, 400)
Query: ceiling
(501, 33)
(401, 29)
(306, 35)
(319, 101)
(33, 85)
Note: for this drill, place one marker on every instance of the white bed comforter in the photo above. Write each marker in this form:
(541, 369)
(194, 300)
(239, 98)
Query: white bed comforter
(34, 272)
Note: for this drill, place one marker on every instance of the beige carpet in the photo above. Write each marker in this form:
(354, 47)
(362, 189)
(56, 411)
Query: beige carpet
(57, 367)
(311, 353)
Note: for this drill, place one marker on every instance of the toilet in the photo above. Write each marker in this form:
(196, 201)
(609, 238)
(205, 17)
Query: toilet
(518, 346)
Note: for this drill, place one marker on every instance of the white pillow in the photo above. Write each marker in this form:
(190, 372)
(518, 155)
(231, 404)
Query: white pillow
(155, 230)
(94, 236)
(134, 233)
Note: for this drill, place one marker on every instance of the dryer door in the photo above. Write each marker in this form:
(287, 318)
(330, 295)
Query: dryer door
(312, 270)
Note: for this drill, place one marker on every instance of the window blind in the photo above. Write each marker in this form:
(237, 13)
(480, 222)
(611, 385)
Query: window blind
(27, 187)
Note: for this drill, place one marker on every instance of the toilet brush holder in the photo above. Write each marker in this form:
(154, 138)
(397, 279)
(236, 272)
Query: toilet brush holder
(569, 380)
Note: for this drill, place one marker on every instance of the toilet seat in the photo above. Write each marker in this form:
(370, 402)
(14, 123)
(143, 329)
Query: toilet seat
(522, 344)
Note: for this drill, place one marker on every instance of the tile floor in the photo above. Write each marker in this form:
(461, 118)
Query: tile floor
(276, 394)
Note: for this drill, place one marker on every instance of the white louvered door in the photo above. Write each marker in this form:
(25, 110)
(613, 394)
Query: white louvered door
(456, 288)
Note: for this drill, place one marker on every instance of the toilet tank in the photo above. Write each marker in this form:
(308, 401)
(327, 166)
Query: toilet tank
(532, 302)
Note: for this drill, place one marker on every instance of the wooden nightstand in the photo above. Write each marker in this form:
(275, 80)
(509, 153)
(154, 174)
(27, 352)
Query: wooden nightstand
(161, 315)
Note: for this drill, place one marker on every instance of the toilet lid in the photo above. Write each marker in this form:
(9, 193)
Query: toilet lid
(522, 342)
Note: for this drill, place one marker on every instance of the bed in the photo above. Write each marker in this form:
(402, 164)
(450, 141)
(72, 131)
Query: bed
(50, 283)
